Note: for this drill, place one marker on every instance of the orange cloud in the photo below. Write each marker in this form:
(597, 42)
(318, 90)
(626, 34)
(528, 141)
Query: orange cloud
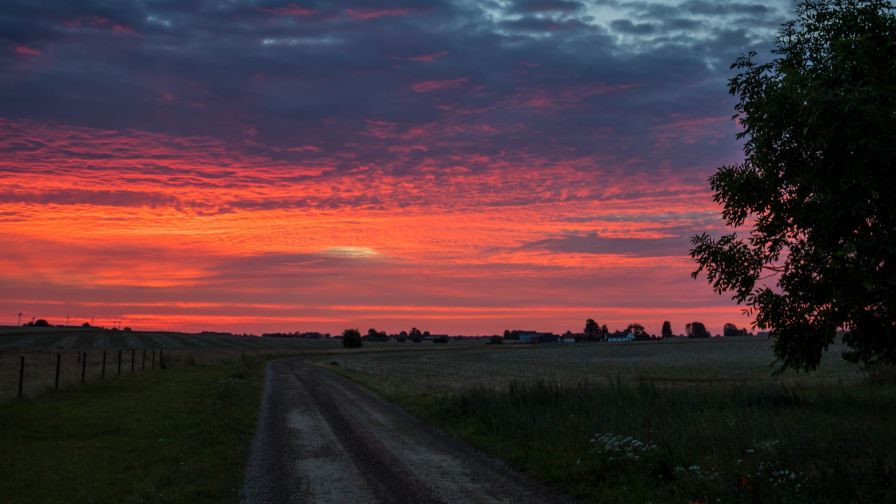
(192, 233)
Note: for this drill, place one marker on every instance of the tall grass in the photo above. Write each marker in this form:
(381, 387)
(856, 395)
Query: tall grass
(717, 443)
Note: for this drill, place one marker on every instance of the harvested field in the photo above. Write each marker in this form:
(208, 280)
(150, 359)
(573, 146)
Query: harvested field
(671, 421)
(682, 361)
(40, 346)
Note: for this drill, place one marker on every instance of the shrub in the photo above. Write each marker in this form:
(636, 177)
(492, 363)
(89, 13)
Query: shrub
(351, 338)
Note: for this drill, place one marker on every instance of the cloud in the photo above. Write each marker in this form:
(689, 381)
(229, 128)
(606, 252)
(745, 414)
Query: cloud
(375, 13)
(290, 10)
(90, 197)
(546, 6)
(438, 85)
(593, 243)
(497, 154)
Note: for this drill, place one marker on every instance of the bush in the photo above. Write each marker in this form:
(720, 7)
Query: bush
(351, 338)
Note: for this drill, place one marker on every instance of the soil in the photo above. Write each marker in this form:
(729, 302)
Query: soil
(324, 439)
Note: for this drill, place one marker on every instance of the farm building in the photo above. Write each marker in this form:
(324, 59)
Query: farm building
(629, 336)
(537, 337)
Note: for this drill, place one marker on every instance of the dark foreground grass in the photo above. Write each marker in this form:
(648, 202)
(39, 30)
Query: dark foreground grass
(180, 435)
(717, 443)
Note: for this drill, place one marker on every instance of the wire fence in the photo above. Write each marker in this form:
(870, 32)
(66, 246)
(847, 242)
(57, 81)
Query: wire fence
(32, 372)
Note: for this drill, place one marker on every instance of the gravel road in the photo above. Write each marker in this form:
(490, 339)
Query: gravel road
(324, 439)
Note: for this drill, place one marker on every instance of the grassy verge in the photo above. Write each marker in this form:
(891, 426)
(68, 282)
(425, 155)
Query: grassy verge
(180, 435)
(713, 443)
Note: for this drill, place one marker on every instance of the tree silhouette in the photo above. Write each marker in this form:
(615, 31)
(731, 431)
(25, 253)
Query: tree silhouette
(351, 338)
(638, 331)
(815, 188)
(592, 330)
(667, 329)
(696, 330)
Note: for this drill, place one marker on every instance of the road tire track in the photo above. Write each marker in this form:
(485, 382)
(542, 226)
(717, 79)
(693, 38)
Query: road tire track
(323, 439)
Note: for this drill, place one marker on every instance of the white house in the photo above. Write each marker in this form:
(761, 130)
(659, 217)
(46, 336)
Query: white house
(629, 336)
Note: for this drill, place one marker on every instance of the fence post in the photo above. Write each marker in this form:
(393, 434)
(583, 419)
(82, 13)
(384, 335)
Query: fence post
(103, 372)
(58, 362)
(161, 358)
(119, 363)
(143, 361)
(21, 374)
(132, 360)
(153, 359)
(83, 366)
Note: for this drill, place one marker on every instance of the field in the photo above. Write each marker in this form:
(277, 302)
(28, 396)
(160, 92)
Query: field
(181, 435)
(41, 346)
(685, 421)
(673, 421)
(674, 361)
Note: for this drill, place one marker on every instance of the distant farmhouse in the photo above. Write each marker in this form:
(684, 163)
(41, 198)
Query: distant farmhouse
(619, 338)
(570, 337)
(537, 337)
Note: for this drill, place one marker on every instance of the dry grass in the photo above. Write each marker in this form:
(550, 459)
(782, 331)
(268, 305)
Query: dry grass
(729, 360)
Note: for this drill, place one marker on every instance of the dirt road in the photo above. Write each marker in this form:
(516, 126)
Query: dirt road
(324, 439)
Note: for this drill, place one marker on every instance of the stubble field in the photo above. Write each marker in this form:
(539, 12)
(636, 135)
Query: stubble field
(673, 421)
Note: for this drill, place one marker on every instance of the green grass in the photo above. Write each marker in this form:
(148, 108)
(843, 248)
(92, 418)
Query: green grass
(179, 435)
(705, 434)
(714, 444)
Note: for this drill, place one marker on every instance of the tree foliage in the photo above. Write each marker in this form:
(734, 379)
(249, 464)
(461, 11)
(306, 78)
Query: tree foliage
(592, 330)
(638, 331)
(813, 194)
(731, 329)
(667, 329)
(351, 338)
(696, 330)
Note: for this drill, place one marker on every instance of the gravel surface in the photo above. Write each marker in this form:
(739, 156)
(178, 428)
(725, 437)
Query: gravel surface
(324, 439)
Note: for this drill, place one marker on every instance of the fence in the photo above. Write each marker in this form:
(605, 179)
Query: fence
(29, 373)
(37, 370)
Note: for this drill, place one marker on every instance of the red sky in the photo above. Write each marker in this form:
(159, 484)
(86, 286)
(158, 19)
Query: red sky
(292, 166)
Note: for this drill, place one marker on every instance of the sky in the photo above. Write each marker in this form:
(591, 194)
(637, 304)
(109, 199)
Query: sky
(463, 167)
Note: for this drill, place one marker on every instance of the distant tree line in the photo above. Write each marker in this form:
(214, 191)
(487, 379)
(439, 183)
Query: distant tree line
(300, 335)
(594, 331)
(415, 335)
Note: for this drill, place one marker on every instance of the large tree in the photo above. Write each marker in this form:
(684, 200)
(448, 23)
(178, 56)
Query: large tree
(667, 329)
(592, 330)
(814, 193)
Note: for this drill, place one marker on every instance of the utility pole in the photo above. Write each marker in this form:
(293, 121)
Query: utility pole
(20, 319)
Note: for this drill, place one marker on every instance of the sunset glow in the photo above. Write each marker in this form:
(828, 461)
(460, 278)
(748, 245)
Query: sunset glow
(304, 166)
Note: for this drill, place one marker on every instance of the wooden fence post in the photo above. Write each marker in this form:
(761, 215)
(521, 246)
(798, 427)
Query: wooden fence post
(21, 374)
(58, 362)
(161, 358)
(119, 363)
(153, 359)
(103, 372)
(143, 361)
(132, 360)
(83, 366)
